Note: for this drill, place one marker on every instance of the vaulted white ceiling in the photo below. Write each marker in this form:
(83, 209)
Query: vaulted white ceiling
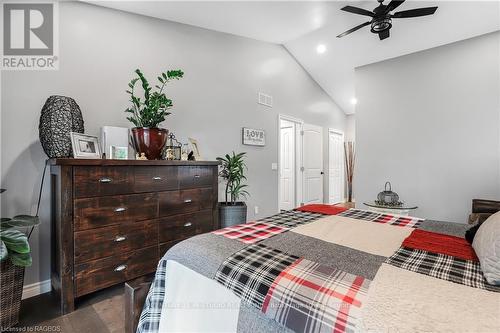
(303, 25)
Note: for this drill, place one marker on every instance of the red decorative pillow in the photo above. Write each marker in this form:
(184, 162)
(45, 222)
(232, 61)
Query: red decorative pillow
(322, 209)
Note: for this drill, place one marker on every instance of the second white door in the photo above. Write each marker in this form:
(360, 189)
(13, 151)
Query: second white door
(287, 165)
(312, 164)
(335, 167)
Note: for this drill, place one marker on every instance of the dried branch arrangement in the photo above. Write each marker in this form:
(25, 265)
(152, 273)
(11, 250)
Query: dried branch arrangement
(350, 159)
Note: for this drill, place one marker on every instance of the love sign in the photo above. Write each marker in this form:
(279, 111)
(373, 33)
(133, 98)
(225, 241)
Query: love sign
(254, 137)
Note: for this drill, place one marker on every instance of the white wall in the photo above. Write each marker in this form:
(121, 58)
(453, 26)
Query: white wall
(429, 122)
(350, 128)
(99, 50)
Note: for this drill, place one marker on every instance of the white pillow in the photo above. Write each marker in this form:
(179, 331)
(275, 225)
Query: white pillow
(487, 246)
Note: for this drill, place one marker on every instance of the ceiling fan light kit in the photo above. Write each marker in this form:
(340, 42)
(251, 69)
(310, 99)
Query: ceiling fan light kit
(381, 21)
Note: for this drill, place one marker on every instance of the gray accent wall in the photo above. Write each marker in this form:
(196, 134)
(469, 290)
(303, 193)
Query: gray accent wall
(99, 50)
(429, 122)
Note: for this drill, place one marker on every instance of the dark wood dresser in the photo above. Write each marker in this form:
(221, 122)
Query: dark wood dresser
(112, 220)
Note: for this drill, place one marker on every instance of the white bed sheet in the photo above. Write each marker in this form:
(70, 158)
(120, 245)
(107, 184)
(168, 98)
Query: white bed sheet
(195, 303)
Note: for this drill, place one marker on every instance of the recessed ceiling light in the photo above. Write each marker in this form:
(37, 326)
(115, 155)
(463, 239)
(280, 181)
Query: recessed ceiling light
(321, 48)
(354, 101)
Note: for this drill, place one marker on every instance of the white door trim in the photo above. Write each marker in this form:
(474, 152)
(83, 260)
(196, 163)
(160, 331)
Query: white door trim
(336, 131)
(298, 158)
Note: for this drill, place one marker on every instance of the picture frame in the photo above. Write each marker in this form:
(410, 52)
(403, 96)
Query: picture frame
(196, 149)
(118, 153)
(85, 146)
(253, 137)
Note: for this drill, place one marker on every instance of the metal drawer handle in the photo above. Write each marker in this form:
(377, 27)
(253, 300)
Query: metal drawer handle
(120, 209)
(120, 268)
(105, 180)
(156, 178)
(188, 224)
(196, 176)
(120, 238)
(188, 201)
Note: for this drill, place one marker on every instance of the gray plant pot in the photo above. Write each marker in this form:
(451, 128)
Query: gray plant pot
(230, 215)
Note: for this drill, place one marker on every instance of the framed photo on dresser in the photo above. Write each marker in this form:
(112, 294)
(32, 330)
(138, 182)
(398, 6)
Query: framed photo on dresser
(85, 146)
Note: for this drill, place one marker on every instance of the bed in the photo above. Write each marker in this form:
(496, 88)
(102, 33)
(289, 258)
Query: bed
(323, 269)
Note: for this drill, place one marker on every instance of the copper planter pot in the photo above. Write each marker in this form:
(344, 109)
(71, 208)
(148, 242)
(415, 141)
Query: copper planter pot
(149, 141)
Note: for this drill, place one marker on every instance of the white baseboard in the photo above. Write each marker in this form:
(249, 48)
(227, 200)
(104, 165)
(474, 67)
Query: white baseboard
(37, 288)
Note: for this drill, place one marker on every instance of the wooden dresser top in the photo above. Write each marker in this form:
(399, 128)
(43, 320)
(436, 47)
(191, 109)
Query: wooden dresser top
(110, 162)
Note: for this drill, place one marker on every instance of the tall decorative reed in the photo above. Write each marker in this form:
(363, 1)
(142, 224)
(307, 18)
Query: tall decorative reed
(350, 159)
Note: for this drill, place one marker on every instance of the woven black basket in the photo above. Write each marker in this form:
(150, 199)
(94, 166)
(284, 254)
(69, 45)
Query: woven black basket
(60, 116)
(11, 292)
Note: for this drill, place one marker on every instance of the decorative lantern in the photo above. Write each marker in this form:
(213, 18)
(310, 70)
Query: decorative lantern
(172, 149)
(388, 197)
(60, 116)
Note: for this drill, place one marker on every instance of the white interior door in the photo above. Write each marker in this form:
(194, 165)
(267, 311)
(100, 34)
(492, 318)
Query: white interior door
(287, 165)
(335, 167)
(312, 164)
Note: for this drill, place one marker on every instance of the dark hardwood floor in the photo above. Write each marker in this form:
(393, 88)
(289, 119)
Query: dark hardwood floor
(100, 312)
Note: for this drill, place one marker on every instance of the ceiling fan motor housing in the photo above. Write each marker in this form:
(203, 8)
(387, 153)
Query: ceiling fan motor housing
(381, 24)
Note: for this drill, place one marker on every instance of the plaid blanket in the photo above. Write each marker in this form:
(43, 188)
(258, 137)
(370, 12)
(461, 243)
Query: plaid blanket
(309, 297)
(306, 292)
(252, 232)
(441, 266)
(402, 221)
(250, 272)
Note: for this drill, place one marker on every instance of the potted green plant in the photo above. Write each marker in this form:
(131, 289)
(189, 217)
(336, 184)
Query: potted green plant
(15, 255)
(232, 171)
(148, 113)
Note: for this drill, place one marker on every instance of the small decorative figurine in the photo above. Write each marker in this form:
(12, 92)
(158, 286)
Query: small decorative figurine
(169, 154)
(142, 157)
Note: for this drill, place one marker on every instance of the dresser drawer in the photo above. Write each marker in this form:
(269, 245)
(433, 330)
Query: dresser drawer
(102, 273)
(153, 179)
(183, 226)
(108, 241)
(103, 211)
(97, 181)
(185, 201)
(196, 176)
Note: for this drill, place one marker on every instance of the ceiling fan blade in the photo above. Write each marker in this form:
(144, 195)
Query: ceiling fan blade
(357, 10)
(353, 29)
(384, 34)
(415, 12)
(393, 5)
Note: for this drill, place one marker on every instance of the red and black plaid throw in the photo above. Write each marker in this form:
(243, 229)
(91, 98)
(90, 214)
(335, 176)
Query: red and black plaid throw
(441, 266)
(309, 297)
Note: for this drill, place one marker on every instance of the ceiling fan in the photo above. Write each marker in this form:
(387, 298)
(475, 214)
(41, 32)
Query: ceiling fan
(381, 21)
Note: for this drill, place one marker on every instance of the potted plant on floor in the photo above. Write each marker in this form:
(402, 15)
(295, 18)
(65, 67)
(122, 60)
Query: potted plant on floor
(148, 113)
(15, 255)
(232, 211)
